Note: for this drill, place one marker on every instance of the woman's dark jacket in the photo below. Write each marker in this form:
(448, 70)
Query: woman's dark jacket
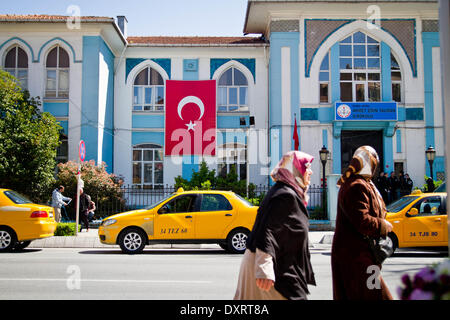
(281, 230)
(359, 214)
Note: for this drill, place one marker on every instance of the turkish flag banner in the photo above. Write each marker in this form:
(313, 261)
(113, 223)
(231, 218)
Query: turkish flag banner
(190, 124)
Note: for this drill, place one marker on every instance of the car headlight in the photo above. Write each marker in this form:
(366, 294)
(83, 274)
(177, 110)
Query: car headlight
(109, 222)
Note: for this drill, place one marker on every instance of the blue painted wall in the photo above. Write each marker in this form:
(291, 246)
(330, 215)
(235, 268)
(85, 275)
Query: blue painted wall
(57, 109)
(147, 121)
(147, 137)
(94, 48)
(108, 130)
(430, 40)
(89, 99)
(277, 41)
(386, 79)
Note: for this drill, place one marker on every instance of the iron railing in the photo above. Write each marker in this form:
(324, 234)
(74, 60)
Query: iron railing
(133, 198)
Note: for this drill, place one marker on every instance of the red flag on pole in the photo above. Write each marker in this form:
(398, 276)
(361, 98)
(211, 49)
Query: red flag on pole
(295, 137)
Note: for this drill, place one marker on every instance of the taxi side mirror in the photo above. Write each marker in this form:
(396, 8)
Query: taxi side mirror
(413, 212)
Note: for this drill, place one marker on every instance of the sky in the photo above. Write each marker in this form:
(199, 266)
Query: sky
(150, 17)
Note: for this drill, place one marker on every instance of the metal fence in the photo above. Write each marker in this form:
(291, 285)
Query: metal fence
(137, 198)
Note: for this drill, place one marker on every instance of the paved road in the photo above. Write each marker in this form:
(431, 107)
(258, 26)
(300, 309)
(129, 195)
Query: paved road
(158, 274)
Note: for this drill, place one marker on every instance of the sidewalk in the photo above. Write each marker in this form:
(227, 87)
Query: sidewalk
(91, 240)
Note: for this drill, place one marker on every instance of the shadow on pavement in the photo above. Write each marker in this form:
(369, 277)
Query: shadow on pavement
(420, 253)
(161, 252)
(26, 250)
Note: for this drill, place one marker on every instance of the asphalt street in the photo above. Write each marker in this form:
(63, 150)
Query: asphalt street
(160, 274)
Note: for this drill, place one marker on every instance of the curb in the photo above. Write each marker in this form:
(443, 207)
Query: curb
(91, 240)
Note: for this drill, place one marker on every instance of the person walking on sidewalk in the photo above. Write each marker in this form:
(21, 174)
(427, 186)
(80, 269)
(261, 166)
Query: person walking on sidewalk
(361, 212)
(84, 209)
(58, 201)
(276, 264)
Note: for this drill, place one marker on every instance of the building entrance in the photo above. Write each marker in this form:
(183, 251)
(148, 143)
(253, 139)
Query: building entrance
(352, 140)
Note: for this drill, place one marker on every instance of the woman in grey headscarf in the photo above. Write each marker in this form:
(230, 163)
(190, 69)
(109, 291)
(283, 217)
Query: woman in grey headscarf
(276, 264)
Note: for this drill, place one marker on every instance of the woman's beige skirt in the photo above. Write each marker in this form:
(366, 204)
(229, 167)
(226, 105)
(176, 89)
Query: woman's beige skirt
(246, 287)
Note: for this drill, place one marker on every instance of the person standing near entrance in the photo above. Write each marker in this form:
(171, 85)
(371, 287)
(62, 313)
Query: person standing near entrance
(361, 212)
(408, 184)
(58, 201)
(394, 187)
(276, 264)
(382, 186)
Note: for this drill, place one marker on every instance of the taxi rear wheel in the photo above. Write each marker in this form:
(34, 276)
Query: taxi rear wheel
(132, 241)
(237, 241)
(8, 239)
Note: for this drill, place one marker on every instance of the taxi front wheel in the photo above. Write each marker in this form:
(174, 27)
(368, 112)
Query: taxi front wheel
(132, 241)
(237, 241)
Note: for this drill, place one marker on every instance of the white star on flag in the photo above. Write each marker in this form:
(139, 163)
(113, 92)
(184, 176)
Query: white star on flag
(190, 125)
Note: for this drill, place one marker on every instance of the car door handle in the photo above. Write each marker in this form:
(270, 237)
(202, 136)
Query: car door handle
(228, 215)
(437, 220)
(188, 217)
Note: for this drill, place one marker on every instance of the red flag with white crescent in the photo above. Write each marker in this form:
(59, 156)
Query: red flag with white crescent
(190, 124)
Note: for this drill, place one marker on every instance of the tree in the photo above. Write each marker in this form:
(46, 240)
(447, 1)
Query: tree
(207, 179)
(104, 188)
(28, 139)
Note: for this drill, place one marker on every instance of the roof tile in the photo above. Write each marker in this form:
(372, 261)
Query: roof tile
(161, 40)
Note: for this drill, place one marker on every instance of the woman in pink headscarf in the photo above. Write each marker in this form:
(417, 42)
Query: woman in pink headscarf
(276, 264)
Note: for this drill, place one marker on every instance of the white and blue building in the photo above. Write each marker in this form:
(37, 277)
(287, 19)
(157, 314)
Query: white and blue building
(350, 73)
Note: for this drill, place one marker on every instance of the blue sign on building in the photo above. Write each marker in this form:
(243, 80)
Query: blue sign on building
(385, 111)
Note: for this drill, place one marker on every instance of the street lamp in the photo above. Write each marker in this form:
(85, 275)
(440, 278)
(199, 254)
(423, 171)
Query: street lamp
(324, 157)
(431, 154)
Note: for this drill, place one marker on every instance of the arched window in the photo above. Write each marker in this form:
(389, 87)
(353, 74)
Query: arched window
(324, 79)
(229, 155)
(16, 63)
(57, 66)
(148, 166)
(396, 79)
(232, 91)
(148, 91)
(359, 60)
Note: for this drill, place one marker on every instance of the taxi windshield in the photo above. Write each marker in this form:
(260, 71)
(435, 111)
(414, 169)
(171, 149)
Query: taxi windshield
(17, 198)
(400, 204)
(158, 203)
(441, 188)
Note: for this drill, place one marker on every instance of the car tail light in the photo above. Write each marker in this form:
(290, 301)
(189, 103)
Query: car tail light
(39, 214)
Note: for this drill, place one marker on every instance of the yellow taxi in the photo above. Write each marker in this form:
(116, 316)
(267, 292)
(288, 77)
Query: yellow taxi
(221, 217)
(22, 221)
(419, 220)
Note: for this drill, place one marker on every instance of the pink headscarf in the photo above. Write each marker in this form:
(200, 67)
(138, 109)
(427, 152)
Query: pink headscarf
(291, 170)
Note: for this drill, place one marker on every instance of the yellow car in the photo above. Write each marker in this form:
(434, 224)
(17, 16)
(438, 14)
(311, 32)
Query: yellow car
(22, 221)
(419, 220)
(184, 217)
